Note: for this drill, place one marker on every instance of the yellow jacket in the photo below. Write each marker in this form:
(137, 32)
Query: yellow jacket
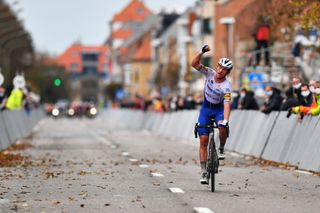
(15, 100)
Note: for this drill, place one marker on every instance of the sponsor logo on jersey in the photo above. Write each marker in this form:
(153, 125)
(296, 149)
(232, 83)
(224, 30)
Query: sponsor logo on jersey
(227, 96)
(205, 68)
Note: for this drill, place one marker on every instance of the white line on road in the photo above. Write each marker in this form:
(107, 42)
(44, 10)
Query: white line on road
(102, 139)
(303, 172)
(98, 137)
(176, 190)
(125, 153)
(202, 210)
(143, 166)
(133, 160)
(155, 174)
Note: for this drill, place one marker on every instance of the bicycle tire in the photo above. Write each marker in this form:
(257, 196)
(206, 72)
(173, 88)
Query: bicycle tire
(212, 163)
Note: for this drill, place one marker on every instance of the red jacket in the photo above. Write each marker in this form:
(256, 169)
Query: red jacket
(263, 33)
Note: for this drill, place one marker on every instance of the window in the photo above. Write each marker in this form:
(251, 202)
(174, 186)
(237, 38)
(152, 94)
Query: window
(74, 67)
(206, 26)
(206, 61)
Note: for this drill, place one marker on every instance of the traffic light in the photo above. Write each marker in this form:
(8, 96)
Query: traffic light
(57, 82)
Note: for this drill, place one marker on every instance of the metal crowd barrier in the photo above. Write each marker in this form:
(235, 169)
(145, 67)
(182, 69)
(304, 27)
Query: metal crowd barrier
(17, 124)
(272, 137)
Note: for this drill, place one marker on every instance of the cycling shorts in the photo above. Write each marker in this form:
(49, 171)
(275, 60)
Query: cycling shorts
(206, 112)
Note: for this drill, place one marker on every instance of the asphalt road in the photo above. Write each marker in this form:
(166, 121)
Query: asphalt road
(80, 165)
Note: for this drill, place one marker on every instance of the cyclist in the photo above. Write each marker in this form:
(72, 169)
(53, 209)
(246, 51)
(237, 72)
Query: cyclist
(216, 102)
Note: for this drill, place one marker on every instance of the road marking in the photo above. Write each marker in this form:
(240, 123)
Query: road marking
(202, 210)
(4, 201)
(125, 153)
(155, 174)
(113, 146)
(98, 137)
(176, 190)
(143, 166)
(133, 160)
(303, 172)
(103, 140)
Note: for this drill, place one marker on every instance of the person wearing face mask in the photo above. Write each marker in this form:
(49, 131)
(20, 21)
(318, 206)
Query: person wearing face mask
(274, 100)
(249, 102)
(312, 86)
(316, 110)
(308, 102)
(243, 92)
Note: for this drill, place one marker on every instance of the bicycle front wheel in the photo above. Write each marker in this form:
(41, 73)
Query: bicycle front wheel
(212, 163)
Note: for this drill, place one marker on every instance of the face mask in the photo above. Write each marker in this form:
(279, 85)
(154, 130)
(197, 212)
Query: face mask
(269, 93)
(297, 86)
(317, 90)
(1, 94)
(242, 95)
(311, 88)
(305, 93)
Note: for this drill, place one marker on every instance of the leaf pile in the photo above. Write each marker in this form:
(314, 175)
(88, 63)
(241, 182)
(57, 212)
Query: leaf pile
(8, 159)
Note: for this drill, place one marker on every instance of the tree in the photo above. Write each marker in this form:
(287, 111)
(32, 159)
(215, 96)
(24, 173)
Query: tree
(289, 12)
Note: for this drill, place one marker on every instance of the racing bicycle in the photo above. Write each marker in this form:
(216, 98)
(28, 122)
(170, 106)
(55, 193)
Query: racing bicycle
(213, 159)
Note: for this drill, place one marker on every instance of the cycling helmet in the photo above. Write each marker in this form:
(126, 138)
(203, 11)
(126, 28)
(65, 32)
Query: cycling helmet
(226, 63)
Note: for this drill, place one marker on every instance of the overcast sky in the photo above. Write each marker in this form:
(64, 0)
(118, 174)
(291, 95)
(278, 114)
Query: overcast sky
(56, 24)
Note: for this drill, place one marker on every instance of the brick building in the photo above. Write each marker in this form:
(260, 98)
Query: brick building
(89, 67)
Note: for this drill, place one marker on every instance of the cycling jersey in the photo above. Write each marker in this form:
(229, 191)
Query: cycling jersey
(214, 92)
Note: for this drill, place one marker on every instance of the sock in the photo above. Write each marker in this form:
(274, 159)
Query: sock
(203, 166)
(221, 149)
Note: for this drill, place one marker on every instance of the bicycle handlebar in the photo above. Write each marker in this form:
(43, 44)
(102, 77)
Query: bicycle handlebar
(215, 125)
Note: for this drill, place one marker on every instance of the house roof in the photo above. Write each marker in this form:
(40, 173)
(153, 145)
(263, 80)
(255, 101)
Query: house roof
(122, 34)
(144, 51)
(134, 11)
(73, 55)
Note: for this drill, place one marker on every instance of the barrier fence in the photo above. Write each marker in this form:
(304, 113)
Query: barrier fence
(17, 124)
(271, 137)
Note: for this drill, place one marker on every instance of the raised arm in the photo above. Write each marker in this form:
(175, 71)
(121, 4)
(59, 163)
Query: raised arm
(197, 59)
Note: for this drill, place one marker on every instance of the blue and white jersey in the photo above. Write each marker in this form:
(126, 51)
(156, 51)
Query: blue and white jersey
(214, 92)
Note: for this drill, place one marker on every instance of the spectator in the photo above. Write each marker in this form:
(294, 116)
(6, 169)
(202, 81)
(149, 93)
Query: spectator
(180, 103)
(299, 41)
(296, 84)
(249, 102)
(138, 103)
(312, 85)
(290, 101)
(189, 103)
(173, 103)
(157, 105)
(316, 110)
(262, 40)
(243, 92)
(3, 98)
(235, 95)
(309, 102)
(15, 100)
(305, 96)
(274, 100)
